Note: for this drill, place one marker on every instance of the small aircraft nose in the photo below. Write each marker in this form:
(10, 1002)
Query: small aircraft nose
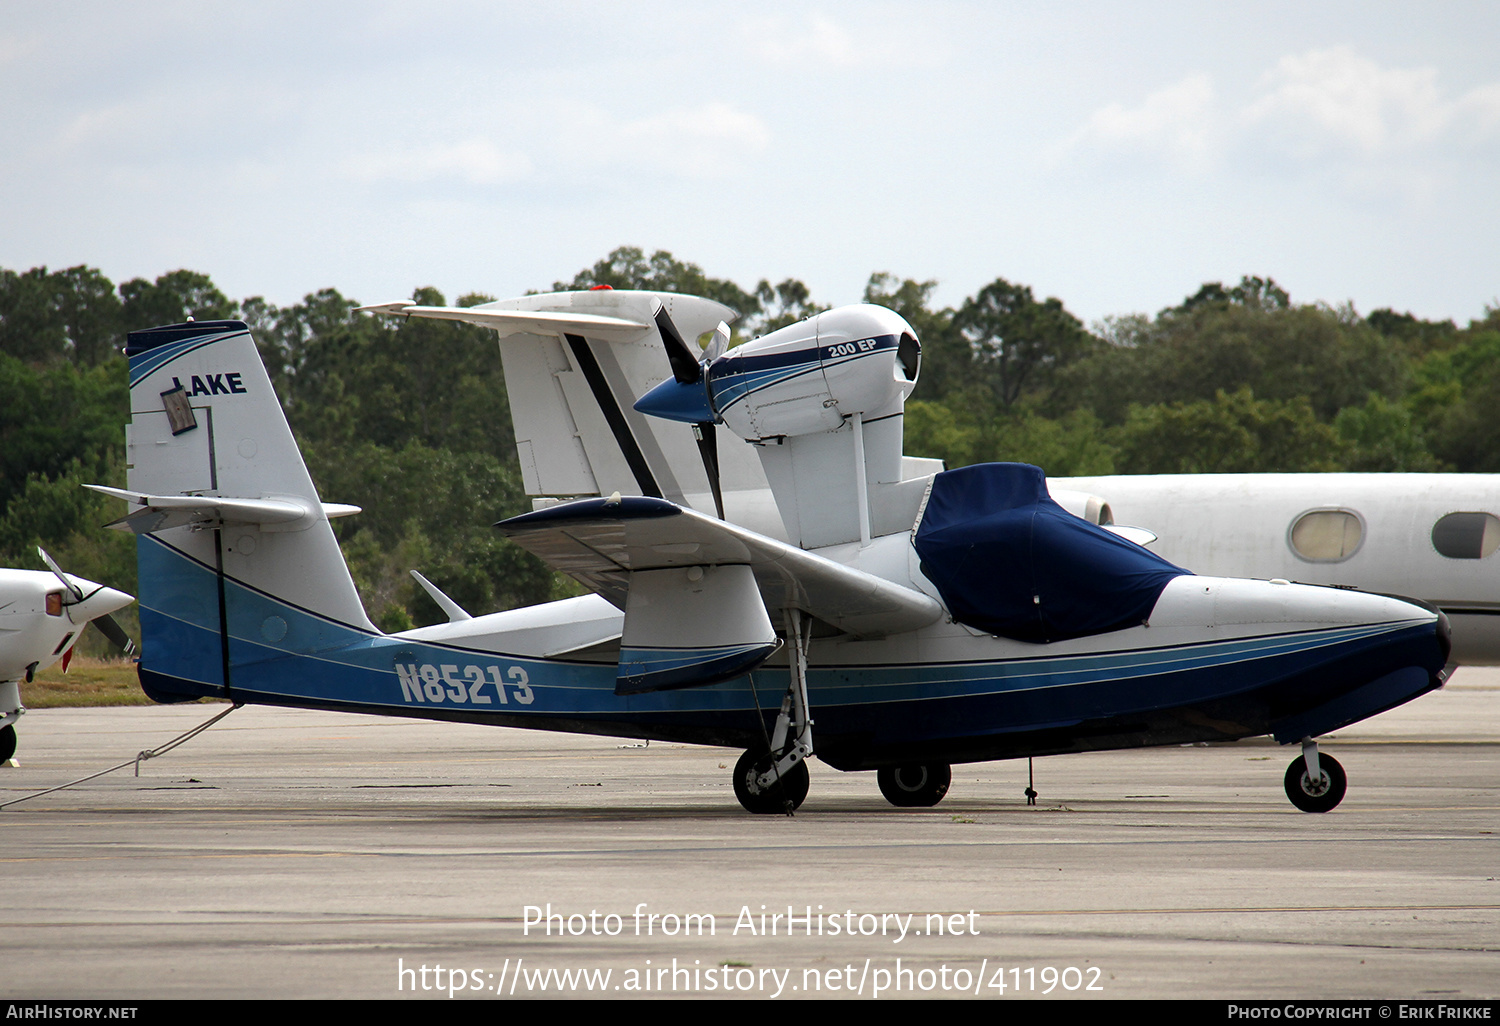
(97, 602)
(1443, 628)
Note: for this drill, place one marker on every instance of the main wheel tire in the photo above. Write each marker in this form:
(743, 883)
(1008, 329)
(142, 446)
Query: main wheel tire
(1319, 796)
(7, 741)
(790, 789)
(917, 786)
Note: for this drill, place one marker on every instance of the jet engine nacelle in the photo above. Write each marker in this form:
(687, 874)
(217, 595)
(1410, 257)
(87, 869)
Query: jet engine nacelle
(812, 376)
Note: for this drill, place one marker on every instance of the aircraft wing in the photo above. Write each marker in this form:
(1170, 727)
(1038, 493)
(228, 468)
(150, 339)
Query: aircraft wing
(525, 322)
(601, 542)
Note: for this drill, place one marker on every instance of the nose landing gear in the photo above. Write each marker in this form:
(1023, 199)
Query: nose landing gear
(1315, 783)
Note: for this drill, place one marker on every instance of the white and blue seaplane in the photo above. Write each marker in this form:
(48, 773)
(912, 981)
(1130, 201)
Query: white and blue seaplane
(889, 617)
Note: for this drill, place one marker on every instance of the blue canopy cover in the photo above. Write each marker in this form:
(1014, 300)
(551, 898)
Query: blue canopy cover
(1010, 561)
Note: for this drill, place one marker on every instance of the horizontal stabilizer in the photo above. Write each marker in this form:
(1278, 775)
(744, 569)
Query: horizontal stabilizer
(162, 512)
(524, 322)
(601, 542)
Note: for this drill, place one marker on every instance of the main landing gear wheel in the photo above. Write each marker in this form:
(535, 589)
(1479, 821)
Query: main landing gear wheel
(790, 789)
(917, 786)
(7, 742)
(1320, 795)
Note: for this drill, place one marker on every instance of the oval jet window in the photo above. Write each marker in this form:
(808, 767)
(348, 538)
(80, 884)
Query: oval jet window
(1466, 535)
(1326, 535)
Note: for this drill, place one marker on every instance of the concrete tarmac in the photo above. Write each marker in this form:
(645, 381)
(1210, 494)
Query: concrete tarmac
(292, 854)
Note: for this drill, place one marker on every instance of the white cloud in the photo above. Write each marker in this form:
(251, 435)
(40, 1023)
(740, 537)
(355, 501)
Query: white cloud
(1181, 123)
(1327, 110)
(880, 36)
(705, 141)
(1336, 98)
(698, 142)
(818, 39)
(14, 47)
(1478, 112)
(474, 161)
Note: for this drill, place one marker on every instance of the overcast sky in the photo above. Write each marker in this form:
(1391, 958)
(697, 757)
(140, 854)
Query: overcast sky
(1114, 155)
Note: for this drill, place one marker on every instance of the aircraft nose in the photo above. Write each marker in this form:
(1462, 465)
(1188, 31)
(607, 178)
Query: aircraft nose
(97, 601)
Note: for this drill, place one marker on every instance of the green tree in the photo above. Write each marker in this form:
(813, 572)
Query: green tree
(71, 314)
(1230, 434)
(1418, 336)
(1252, 292)
(349, 377)
(30, 329)
(431, 510)
(1384, 438)
(173, 298)
(91, 314)
(53, 416)
(1017, 342)
(783, 304)
(1278, 351)
(947, 363)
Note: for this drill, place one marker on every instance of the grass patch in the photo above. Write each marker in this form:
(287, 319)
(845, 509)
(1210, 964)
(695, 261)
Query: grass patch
(88, 682)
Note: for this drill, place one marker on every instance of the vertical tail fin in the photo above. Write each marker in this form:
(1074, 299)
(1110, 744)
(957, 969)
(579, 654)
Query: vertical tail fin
(234, 540)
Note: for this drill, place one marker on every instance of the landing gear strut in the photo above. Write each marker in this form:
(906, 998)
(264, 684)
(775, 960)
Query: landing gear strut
(777, 781)
(1315, 783)
(915, 786)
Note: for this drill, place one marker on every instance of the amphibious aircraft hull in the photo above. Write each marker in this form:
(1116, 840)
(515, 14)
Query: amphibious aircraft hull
(872, 710)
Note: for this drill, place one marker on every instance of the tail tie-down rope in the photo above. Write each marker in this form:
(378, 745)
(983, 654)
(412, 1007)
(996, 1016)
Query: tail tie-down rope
(140, 757)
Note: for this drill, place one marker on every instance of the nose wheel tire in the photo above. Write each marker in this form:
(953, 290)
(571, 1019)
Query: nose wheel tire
(790, 789)
(7, 742)
(916, 786)
(1320, 795)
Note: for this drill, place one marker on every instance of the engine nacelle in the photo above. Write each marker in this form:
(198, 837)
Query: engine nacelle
(803, 379)
(822, 401)
(811, 376)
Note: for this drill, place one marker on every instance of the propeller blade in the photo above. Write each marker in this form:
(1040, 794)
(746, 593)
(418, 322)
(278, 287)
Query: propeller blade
(708, 450)
(717, 345)
(685, 366)
(116, 635)
(73, 589)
